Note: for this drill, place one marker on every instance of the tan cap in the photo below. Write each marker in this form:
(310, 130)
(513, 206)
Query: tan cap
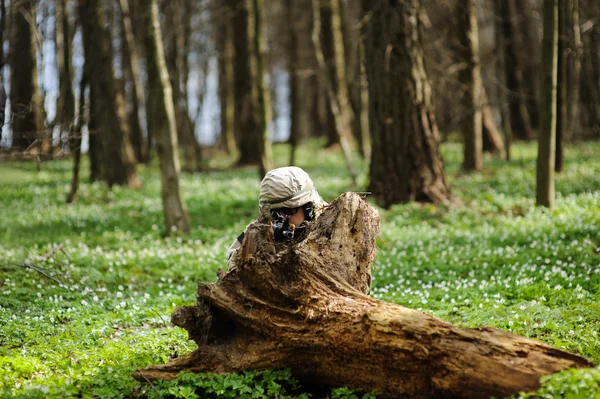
(288, 187)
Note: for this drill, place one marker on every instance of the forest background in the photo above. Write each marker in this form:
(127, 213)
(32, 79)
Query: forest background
(457, 134)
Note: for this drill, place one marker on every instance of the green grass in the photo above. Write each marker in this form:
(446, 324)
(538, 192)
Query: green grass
(496, 260)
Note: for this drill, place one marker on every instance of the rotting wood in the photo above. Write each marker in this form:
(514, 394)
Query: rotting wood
(304, 307)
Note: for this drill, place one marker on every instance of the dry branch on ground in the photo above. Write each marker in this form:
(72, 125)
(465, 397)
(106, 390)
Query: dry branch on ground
(305, 307)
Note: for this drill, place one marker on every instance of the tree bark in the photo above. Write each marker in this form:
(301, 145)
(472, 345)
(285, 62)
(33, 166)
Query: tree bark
(528, 23)
(561, 86)
(355, 75)
(492, 141)
(76, 138)
(470, 78)
(226, 78)
(590, 76)
(547, 137)
(255, 148)
(304, 307)
(517, 97)
(326, 69)
(574, 69)
(293, 79)
(406, 164)
(501, 67)
(25, 99)
(95, 142)
(118, 157)
(261, 96)
(340, 75)
(131, 60)
(65, 108)
(176, 23)
(338, 105)
(365, 138)
(162, 112)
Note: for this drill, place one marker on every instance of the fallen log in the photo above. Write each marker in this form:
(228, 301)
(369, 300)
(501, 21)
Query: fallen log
(305, 307)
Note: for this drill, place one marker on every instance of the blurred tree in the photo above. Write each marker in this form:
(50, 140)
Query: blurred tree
(25, 96)
(225, 53)
(3, 95)
(492, 142)
(2, 33)
(178, 17)
(590, 73)
(406, 164)
(355, 76)
(547, 136)
(294, 80)
(574, 67)
(561, 84)
(107, 101)
(528, 22)
(250, 91)
(470, 77)
(94, 137)
(338, 100)
(75, 138)
(162, 112)
(65, 107)
(131, 74)
(501, 68)
(339, 75)
(515, 79)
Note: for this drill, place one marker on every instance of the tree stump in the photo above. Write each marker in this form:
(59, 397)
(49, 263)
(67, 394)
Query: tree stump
(304, 306)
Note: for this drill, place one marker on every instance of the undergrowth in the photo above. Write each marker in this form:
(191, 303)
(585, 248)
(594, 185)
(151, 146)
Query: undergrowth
(496, 260)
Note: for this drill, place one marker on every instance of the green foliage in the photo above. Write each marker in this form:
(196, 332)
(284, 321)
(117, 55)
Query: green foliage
(347, 393)
(569, 384)
(259, 385)
(497, 260)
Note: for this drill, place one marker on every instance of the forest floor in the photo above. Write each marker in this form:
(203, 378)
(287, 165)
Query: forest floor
(497, 260)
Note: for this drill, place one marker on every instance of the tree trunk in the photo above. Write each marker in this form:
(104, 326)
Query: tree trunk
(260, 91)
(3, 95)
(75, 138)
(251, 112)
(176, 22)
(2, 32)
(574, 69)
(26, 103)
(294, 86)
(132, 68)
(304, 307)
(501, 67)
(226, 79)
(528, 23)
(339, 77)
(470, 77)
(327, 49)
(308, 123)
(118, 158)
(95, 140)
(492, 142)
(590, 77)
(517, 97)
(338, 105)
(561, 85)
(547, 137)
(355, 78)
(406, 164)
(162, 112)
(365, 138)
(65, 107)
